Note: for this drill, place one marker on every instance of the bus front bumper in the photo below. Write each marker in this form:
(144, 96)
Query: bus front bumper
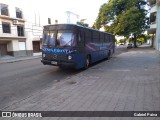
(59, 63)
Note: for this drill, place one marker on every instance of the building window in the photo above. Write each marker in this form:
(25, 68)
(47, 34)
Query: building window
(6, 27)
(20, 30)
(153, 18)
(4, 9)
(18, 13)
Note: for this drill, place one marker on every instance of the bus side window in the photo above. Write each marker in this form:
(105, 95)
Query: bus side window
(112, 38)
(101, 38)
(80, 38)
(88, 36)
(95, 37)
(107, 38)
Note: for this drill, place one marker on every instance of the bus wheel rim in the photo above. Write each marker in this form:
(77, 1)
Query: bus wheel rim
(87, 62)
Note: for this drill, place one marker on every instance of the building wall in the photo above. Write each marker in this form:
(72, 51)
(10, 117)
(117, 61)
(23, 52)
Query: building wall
(155, 26)
(13, 28)
(12, 40)
(33, 33)
(158, 29)
(33, 30)
(33, 22)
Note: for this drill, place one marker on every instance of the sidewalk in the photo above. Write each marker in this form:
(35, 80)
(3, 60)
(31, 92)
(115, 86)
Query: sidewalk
(10, 59)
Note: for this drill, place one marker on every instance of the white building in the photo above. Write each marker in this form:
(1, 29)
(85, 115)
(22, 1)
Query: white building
(12, 34)
(21, 30)
(155, 23)
(21, 27)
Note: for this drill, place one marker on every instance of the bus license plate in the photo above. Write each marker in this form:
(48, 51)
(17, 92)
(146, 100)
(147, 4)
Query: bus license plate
(53, 62)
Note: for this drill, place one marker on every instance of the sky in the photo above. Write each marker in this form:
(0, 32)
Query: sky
(86, 9)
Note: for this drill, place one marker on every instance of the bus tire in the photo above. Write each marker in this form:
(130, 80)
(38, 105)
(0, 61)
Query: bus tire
(113, 50)
(109, 55)
(87, 62)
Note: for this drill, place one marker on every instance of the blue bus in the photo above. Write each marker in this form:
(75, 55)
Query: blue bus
(75, 46)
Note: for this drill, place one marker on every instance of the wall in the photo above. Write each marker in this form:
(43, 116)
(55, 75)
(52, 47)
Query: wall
(158, 29)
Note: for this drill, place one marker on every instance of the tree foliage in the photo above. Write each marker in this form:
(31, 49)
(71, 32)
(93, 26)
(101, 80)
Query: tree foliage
(123, 17)
(83, 24)
(123, 40)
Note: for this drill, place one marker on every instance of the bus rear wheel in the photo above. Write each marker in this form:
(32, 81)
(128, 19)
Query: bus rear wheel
(87, 63)
(109, 55)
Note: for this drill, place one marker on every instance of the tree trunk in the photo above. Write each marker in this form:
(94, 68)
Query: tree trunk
(135, 39)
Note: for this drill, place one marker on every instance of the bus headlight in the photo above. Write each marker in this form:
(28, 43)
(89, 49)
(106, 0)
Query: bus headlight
(43, 55)
(69, 57)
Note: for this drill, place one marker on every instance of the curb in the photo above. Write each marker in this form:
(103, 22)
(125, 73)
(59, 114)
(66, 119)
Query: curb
(18, 59)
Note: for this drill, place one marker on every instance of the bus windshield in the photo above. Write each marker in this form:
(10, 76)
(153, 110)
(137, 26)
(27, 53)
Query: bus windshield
(62, 38)
(65, 38)
(49, 38)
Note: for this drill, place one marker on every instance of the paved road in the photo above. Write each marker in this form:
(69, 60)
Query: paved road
(21, 79)
(130, 81)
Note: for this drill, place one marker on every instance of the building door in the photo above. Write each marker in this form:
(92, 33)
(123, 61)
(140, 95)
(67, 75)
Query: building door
(3, 49)
(36, 46)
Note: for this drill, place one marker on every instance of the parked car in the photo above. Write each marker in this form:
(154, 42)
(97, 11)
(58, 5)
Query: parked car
(130, 46)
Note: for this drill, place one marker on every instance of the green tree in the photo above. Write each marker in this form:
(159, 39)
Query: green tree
(116, 41)
(123, 17)
(123, 40)
(143, 38)
(83, 24)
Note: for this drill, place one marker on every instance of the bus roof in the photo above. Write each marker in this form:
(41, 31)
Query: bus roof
(69, 26)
